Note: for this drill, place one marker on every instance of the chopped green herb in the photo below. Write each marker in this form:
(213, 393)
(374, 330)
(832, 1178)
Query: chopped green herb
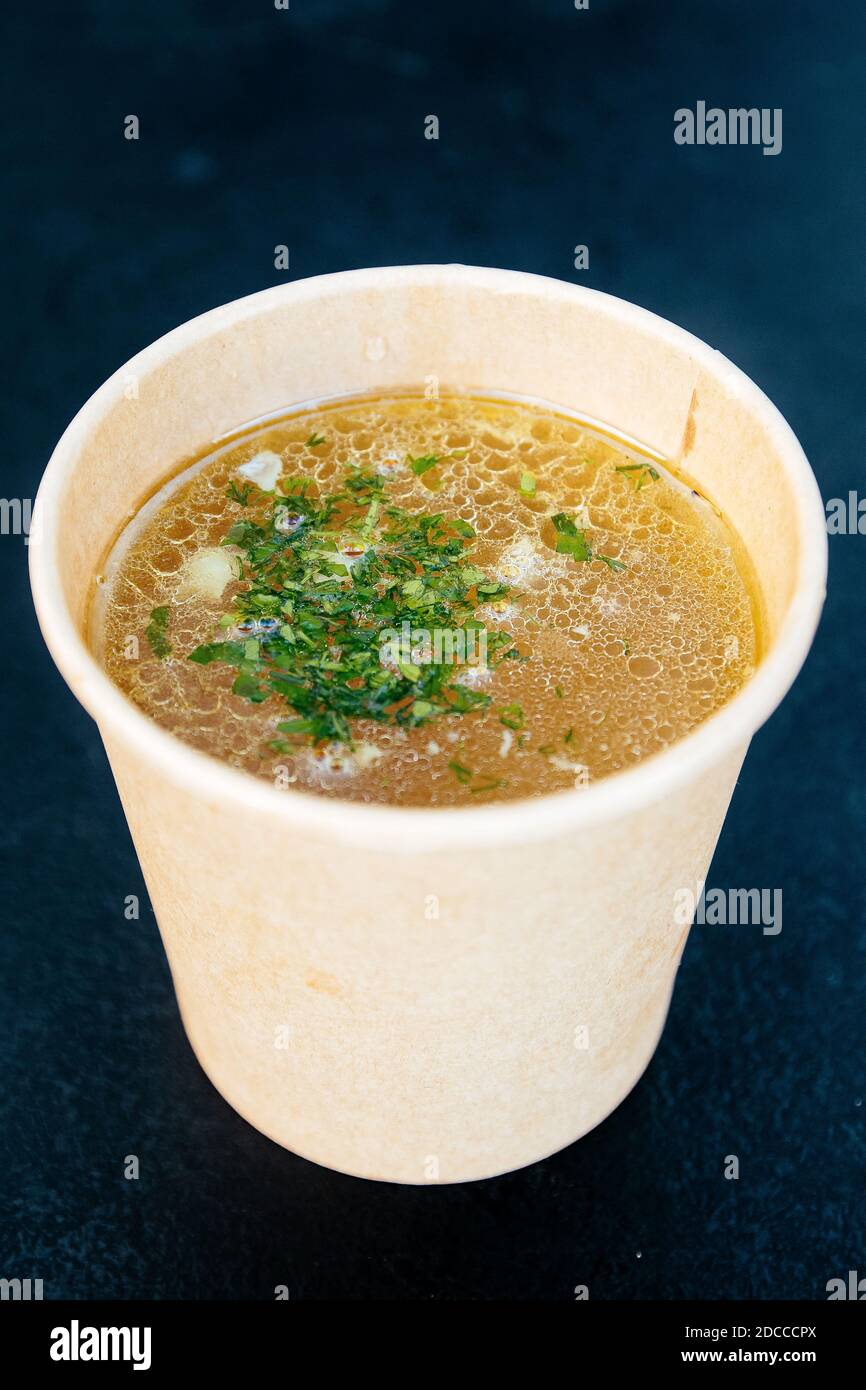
(422, 464)
(485, 783)
(248, 687)
(156, 633)
(492, 784)
(557, 690)
(511, 716)
(425, 462)
(295, 726)
(314, 441)
(471, 575)
(570, 539)
(358, 569)
(241, 495)
(371, 517)
(463, 774)
(230, 652)
(643, 473)
(527, 484)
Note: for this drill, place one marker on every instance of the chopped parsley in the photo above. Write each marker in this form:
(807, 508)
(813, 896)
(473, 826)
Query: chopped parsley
(342, 599)
(571, 540)
(511, 716)
(425, 462)
(241, 495)
(422, 464)
(329, 585)
(156, 633)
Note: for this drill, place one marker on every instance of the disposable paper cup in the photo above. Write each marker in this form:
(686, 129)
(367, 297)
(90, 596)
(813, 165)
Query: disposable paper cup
(445, 994)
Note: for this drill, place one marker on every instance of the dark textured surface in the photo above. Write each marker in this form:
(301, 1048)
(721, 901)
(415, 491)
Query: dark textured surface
(261, 127)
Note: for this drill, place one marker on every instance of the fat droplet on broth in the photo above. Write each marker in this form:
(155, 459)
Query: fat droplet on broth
(621, 663)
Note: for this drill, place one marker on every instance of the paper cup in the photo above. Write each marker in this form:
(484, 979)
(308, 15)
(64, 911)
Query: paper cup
(406, 994)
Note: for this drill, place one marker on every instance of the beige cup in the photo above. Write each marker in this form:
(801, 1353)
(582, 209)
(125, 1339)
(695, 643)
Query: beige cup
(426, 995)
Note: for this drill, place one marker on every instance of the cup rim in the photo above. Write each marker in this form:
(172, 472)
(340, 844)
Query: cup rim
(430, 829)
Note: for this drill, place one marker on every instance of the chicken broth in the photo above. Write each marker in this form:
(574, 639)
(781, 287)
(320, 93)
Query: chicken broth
(427, 602)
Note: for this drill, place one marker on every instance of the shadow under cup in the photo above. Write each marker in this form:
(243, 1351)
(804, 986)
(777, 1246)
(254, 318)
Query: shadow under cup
(426, 995)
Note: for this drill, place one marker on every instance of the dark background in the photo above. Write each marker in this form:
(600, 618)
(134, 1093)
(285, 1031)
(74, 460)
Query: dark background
(305, 127)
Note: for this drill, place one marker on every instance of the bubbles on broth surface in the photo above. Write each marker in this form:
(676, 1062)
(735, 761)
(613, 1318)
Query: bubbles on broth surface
(622, 661)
